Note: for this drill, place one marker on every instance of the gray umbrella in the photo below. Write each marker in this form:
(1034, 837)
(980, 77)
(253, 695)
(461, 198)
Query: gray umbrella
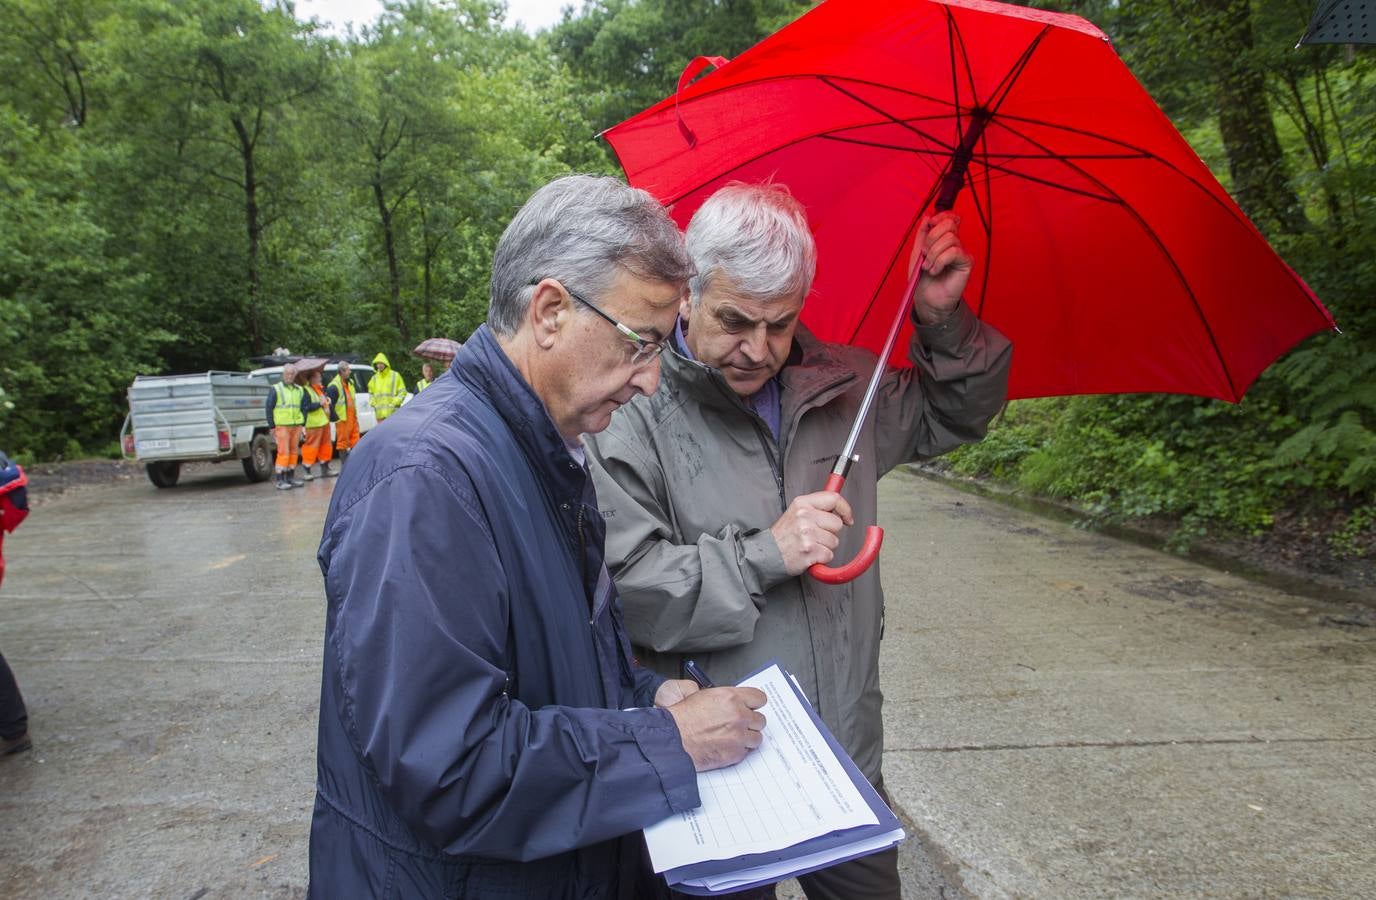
(1342, 22)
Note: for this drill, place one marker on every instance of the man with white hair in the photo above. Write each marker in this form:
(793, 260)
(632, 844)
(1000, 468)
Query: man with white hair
(483, 731)
(711, 484)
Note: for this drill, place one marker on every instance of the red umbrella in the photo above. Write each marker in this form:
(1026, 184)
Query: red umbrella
(1104, 248)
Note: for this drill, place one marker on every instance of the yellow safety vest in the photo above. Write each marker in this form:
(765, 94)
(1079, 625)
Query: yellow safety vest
(387, 390)
(317, 418)
(287, 411)
(346, 396)
(422, 385)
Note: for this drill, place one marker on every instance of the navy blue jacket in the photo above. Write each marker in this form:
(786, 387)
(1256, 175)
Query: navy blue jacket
(477, 736)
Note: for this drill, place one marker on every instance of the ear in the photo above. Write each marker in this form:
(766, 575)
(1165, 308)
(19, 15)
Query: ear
(548, 312)
(685, 306)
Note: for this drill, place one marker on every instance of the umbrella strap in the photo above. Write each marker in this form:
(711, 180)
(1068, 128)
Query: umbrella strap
(691, 71)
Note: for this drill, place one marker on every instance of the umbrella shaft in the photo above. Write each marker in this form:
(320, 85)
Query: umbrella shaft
(954, 179)
(843, 462)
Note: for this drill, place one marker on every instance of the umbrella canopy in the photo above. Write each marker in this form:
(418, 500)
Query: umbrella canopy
(438, 349)
(1342, 22)
(308, 364)
(1104, 247)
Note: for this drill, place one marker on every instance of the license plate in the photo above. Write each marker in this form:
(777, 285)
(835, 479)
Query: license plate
(154, 445)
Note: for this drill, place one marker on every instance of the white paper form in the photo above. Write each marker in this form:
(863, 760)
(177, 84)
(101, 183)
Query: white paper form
(790, 789)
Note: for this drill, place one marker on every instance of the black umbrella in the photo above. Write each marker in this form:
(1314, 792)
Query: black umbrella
(1342, 22)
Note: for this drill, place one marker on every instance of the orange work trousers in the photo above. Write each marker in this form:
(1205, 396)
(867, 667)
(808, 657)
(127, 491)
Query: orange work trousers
(287, 437)
(317, 446)
(346, 433)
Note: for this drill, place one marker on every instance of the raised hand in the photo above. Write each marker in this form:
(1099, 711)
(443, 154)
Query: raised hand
(945, 268)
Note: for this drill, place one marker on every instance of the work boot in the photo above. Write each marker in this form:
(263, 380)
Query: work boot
(326, 471)
(15, 744)
(283, 482)
(310, 472)
(296, 479)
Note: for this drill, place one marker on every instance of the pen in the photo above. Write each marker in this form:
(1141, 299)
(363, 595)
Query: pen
(695, 672)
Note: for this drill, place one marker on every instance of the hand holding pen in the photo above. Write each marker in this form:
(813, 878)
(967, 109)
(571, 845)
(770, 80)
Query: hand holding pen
(718, 726)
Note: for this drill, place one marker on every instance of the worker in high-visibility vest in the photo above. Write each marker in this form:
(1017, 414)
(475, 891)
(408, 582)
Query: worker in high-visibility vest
(427, 377)
(288, 405)
(386, 388)
(343, 412)
(317, 447)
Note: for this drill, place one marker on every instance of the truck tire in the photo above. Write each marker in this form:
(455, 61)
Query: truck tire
(164, 474)
(258, 465)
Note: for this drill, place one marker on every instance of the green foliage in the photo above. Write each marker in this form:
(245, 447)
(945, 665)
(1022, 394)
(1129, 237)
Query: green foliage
(74, 324)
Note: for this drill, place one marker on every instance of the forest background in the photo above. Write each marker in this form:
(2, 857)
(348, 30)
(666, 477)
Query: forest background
(185, 184)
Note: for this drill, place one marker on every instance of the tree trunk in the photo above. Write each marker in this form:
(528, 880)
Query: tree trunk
(390, 246)
(1261, 179)
(429, 254)
(255, 232)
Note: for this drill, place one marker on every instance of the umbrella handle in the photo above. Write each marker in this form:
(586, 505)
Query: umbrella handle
(869, 551)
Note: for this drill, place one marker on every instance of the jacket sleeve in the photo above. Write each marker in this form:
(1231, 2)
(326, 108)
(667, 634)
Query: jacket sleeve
(308, 401)
(680, 597)
(958, 383)
(417, 636)
(272, 403)
(333, 393)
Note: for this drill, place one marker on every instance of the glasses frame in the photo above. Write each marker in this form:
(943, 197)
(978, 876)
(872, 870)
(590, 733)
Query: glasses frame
(646, 351)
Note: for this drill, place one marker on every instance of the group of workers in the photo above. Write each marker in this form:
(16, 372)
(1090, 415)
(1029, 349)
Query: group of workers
(301, 409)
(626, 455)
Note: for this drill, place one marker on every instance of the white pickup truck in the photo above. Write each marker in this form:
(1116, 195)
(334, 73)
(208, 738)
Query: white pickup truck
(213, 416)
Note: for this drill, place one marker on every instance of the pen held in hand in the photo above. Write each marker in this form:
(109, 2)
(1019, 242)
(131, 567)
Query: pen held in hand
(695, 672)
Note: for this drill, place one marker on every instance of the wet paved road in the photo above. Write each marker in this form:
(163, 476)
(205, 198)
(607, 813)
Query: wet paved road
(1068, 715)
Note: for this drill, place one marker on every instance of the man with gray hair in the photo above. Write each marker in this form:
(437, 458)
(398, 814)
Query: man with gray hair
(483, 730)
(710, 484)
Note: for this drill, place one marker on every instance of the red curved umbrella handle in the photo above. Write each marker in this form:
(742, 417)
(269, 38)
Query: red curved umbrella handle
(869, 551)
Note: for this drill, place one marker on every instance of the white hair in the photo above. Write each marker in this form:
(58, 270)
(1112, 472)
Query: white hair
(580, 229)
(755, 236)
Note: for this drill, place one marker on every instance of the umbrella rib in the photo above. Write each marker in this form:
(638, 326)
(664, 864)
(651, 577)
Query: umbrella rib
(826, 80)
(996, 167)
(986, 218)
(888, 116)
(1155, 239)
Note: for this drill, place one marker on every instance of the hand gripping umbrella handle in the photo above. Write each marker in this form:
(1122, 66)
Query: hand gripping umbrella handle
(874, 539)
(874, 535)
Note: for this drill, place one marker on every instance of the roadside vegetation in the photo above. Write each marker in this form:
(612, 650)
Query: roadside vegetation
(189, 184)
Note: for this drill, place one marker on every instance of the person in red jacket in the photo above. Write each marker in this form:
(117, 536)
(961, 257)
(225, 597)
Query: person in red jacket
(14, 507)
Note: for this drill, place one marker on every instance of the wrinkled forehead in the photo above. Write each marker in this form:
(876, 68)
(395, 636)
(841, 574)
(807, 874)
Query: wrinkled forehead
(722, 295)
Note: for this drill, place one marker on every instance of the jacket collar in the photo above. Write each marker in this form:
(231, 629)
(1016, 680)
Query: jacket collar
(813, 368)
(484, 366)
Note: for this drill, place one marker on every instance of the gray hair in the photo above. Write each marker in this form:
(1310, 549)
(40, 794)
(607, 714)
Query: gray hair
(580, 229)
(757, 237)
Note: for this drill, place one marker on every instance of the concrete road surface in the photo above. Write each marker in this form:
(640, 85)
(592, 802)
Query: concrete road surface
(1067, 715)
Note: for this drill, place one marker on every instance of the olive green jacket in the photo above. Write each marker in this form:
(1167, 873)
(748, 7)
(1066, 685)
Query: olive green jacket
(690, 481)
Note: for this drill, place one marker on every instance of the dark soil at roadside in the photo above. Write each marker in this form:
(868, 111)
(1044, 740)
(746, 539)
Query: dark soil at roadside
(47, 481)
(1295, 555)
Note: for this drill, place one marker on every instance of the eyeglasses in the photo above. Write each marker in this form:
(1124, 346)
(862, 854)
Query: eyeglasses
(645, 352)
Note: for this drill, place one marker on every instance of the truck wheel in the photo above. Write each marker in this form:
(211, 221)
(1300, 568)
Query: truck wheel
(258, 464)
(164, 474)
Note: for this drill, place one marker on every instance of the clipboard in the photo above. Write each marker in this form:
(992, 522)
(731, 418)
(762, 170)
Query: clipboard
(754, 869)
